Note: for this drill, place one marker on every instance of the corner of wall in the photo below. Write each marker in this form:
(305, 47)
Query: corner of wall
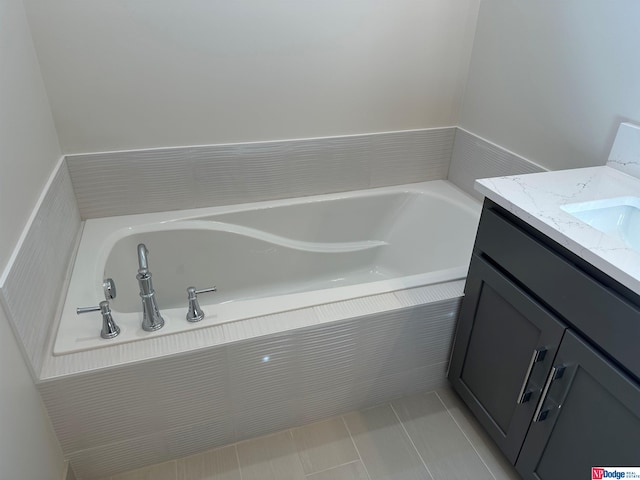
(32, 449)
(474, 157)
(35, 277)
(68, 473)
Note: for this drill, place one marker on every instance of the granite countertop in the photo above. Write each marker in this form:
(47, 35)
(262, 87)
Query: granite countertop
(537, 199)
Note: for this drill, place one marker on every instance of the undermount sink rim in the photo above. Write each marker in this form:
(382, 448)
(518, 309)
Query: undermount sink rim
(579, 207)
(592, 213)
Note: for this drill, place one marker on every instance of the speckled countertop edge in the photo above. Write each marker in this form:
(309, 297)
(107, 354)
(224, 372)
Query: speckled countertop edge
(537, 199)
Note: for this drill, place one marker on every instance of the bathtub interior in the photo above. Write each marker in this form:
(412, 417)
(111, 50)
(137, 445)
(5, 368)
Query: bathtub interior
(294, 248)
(271, 257)
(333, 220)
(240, 266)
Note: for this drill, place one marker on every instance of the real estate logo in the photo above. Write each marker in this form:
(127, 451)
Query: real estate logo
(618, 473)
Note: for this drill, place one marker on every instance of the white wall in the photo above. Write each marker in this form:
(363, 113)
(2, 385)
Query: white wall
(28, 446)
(551, 80)
(127, 74)
(28, 151)
(28, 142)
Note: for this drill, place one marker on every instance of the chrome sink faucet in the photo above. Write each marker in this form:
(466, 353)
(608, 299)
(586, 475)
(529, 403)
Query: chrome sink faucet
(151, 318)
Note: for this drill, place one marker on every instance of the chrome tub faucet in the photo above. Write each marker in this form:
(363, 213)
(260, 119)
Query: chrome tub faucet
(151, 318)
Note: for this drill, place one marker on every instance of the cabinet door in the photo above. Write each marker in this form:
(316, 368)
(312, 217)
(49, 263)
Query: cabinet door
(504, 348)
(589, 416)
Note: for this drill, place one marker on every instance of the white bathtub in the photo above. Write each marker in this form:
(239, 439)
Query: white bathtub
(268, 257)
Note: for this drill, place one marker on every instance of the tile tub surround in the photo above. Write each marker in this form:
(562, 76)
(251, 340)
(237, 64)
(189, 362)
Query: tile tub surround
(124, 182)
(423, 436)
(537, 199)
(147, 412)
(474, 157)
(57, 218)
(144, 181)
(428, 158)
(35, 278)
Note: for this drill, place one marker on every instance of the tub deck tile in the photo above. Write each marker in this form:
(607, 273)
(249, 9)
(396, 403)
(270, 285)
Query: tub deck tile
(430, 293)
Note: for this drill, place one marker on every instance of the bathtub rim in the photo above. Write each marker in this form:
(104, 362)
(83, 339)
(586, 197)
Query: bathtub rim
(220, 335)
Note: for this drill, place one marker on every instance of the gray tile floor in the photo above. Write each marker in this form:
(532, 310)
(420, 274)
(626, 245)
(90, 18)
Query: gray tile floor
(426, 436)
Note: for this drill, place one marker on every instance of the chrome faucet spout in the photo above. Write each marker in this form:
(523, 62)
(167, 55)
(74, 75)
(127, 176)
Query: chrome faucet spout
(151, 318)
(143, 263)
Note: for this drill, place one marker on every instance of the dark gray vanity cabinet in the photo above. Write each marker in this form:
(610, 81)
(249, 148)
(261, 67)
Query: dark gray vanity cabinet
(590, 417)
(547, 354)
(510, 345)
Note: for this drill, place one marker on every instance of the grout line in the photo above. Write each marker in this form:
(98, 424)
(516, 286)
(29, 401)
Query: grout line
(465, 435)
(235, 449)
(411, 440)
(364, 465)
(295, 448)
(175, 469)
(335, 466)
(290, 431)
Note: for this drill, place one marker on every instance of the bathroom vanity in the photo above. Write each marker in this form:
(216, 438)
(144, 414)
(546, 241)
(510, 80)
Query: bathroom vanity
(547, 350)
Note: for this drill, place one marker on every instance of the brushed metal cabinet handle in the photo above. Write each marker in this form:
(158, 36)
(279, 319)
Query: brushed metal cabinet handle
(537, 356)
(556, 372)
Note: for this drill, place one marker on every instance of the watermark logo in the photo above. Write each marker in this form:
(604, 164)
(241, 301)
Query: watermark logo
(617, 473)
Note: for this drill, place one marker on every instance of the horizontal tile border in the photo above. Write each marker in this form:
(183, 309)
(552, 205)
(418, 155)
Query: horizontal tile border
(178, 178)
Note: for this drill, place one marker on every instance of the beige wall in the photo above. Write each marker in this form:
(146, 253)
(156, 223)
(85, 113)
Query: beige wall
(141, 73)
(551, 80)
(28, 151)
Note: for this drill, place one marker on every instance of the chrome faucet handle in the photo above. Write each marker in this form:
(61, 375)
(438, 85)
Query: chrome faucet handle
(109, 327)
(195, 313)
